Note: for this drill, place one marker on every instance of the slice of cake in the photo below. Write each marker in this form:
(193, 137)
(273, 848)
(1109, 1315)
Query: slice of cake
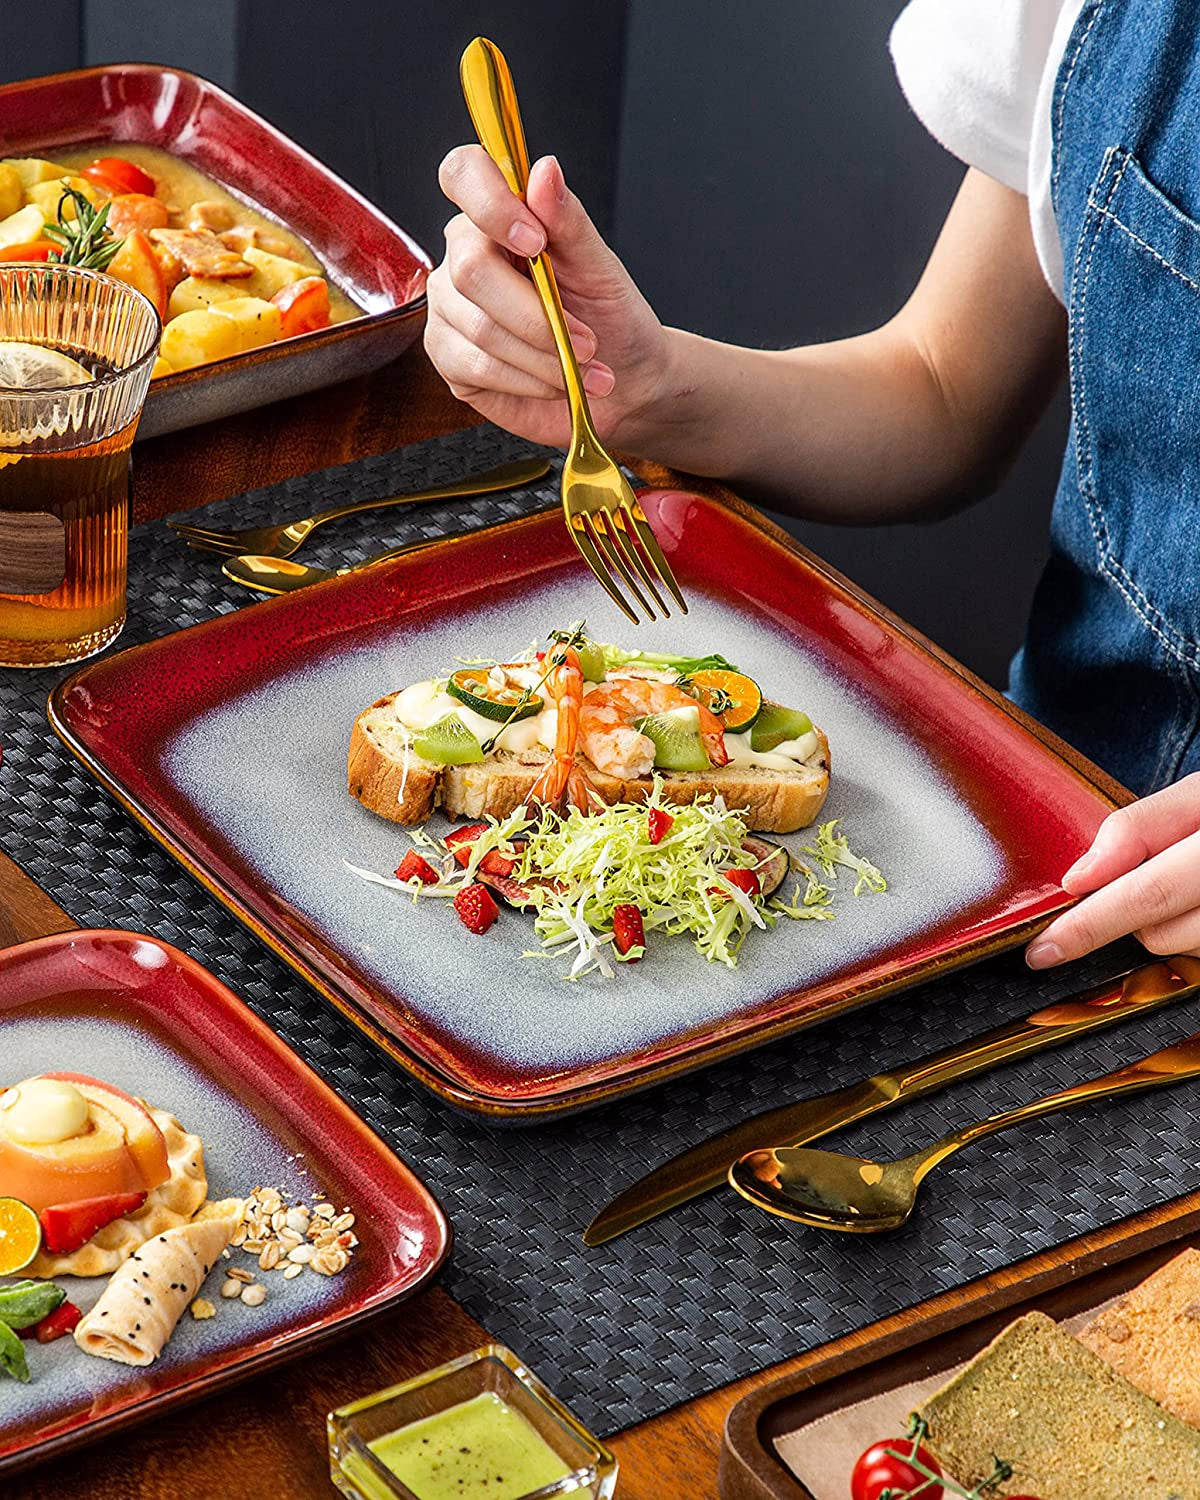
(1072, 1428)
(1152, 1336)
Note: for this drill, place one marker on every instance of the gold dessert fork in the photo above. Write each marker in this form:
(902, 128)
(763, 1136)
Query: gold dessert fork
(603, 514)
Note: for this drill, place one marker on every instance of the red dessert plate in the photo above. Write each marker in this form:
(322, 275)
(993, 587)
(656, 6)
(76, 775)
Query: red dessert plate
(228, 741)
(374, 262)
(145, 1017)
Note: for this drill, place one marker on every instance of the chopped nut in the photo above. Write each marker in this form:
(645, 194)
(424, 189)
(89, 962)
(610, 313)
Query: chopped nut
(231, 1288)
(254, 1296)
(330, 1261)
(202, 1308)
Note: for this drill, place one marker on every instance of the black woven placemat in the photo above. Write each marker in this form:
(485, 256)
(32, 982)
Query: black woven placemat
(716, 1290)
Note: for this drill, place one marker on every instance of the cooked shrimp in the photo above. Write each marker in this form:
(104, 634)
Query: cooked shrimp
(609, 740)
(563, 783)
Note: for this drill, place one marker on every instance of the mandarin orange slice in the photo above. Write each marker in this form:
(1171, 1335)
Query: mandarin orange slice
(20, 1235)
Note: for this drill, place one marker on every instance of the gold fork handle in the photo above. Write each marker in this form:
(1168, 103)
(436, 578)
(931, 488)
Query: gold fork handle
(491, 97)
(505, 477)
(1174, 1064)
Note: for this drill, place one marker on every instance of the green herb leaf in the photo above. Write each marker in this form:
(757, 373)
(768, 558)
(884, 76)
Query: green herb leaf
(86, 240)
(12, 1355)
(24, 1303)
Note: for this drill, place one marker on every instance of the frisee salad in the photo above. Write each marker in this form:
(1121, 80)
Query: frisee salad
(691, 870)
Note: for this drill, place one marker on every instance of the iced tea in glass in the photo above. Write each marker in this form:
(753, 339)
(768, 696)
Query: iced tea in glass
(76, 351)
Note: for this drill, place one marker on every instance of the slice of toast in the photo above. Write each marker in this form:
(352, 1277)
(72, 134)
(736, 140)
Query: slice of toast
(387, 777)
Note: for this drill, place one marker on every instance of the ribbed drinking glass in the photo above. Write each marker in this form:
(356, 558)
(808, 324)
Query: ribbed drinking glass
(76, 351)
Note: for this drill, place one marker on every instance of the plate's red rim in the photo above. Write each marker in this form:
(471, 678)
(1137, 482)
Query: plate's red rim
(319, 336)
(501, 1107)
(280, 1347)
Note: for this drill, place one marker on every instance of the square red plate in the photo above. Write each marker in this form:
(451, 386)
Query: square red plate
(148, 1018)
(374, 262)
(228, 742)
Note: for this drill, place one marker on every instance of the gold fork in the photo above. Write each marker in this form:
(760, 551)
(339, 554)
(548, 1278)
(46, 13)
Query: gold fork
(603, 514)
(285, 539)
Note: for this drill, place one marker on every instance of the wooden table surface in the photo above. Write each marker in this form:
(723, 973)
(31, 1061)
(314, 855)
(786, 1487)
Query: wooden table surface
(266, 1438)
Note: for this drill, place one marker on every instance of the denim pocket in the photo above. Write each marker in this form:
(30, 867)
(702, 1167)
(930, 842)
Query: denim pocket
(1135, 386)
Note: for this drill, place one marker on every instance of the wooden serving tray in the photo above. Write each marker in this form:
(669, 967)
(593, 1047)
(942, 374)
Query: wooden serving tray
(929, 1341)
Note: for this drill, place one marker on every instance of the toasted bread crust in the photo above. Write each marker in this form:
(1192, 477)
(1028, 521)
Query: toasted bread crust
(775, 801)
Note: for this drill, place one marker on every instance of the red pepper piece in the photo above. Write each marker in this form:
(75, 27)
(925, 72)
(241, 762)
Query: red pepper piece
(628, 929)
(67, 1226)
(413, 865)
(58, 1323)
(461, 839)
(495, 863)
(658, 824)
(745, 880)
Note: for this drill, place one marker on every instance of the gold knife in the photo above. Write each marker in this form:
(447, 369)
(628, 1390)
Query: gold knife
(703, 1167)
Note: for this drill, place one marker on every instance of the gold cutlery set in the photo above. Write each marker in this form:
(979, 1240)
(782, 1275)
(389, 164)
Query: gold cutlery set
(850, 1194)
(604, 517)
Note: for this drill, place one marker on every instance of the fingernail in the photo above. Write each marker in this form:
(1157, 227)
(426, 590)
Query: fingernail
(1043, 955)
(560, 182)
(598, 380)
(525, 239)
(1084, 862)
(585, 344)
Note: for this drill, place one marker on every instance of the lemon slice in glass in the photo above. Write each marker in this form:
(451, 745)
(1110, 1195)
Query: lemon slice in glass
(34, 367)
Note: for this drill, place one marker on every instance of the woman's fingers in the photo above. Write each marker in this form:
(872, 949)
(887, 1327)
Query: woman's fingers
(467, 369)
(483, 276)
(1132, 834)
(471, 179)
(1149, 900)
(480, 328)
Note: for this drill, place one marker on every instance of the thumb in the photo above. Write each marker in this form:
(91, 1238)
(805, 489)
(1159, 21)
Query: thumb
(581, 258)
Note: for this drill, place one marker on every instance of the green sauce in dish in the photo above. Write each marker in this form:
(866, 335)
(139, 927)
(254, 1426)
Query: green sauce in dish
(481, 1449)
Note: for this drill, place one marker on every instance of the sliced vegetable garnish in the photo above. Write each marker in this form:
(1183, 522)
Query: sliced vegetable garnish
(488, 692)
(831, 849)
(735, 698)
(676, 738)
(25, 1303)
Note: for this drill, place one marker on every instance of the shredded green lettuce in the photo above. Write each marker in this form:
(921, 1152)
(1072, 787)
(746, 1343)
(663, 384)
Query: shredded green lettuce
(617, 656)
(831, 849)
(580, 867)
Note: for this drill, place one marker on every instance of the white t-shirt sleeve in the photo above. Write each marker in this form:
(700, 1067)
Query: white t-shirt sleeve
(972, 71)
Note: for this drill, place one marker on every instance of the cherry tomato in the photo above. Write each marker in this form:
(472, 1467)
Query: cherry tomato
(877, 1471)
(29, 250)
(116, 175)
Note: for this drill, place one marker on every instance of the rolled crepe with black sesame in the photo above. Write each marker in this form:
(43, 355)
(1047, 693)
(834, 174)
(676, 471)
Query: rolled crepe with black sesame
(137, 1311)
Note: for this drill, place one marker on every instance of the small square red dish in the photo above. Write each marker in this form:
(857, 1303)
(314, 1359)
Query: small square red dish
(148, 1019)
(374, 262)
(228, 740)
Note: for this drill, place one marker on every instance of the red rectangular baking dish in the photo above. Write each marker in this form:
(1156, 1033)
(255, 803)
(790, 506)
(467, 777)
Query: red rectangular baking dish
(375, 263)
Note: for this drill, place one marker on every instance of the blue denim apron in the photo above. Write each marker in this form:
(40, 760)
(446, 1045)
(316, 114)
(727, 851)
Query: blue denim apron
(1112, 656)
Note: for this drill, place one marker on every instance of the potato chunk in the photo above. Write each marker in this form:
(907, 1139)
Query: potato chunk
(271, 272)
(194, 293)
(230, 327)
(258, 322)
(48, 195)
(33, 169)
(22, 227)
(12, 190)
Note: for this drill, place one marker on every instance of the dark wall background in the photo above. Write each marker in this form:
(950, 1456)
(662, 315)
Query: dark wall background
(756, 166)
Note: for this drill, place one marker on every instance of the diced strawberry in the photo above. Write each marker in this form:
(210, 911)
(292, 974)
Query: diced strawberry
(412, 865)
(475, 907)
(495, 863)
(745, 880)
(67, 1226)
(658, 824)
(57, 1324)
(461, 839)
(628, 931)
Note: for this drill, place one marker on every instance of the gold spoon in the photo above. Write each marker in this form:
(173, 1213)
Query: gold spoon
(849, 1193)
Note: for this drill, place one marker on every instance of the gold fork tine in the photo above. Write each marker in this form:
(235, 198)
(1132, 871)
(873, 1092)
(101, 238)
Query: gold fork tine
(203, 544)
(620, 528)
(605, 526)
(188, 532)
(642, 530)
(594, 561)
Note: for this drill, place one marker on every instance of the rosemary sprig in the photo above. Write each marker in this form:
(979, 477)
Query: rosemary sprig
(86, 240)
(564, 641)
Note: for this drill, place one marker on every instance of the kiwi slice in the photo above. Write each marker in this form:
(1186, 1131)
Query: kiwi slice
(591, 662)
(776, 724)
(676, 736)
(448, 742)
